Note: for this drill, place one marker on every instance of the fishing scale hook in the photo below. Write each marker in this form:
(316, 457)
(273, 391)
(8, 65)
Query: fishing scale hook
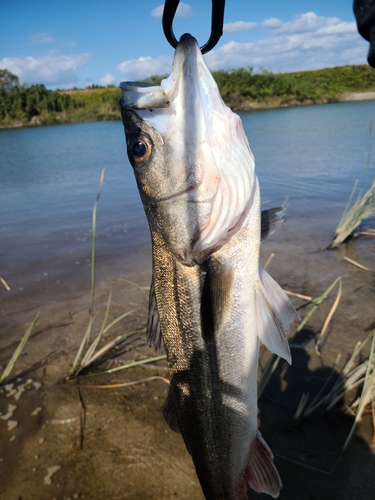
(217, 21)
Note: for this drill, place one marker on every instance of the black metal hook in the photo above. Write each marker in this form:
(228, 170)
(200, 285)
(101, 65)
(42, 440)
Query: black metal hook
(217, 21)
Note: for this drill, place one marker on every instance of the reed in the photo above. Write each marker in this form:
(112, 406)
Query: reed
(18, 351)
(352, 375)
(361, 209)
(88, 354)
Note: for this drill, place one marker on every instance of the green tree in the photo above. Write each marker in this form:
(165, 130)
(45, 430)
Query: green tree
(7, 79)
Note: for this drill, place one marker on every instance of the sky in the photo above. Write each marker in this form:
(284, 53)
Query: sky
(79, 43)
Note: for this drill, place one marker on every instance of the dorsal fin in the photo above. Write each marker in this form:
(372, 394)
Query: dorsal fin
(270, 220)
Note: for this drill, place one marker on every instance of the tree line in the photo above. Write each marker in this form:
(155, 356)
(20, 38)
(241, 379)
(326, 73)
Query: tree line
(21, 103)
(240, 88)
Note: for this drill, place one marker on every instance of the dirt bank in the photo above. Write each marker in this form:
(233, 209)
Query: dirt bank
(67, 441)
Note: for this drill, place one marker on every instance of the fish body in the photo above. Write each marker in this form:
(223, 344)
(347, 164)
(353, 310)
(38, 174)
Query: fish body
(210, 302)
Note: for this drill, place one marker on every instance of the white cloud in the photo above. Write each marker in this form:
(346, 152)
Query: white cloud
(52, 69)
(272, 23)
(238, 26)
(41, 38)
(107, 80)
(308, 23)
(307, 42)
(183, 10)
(145, 66)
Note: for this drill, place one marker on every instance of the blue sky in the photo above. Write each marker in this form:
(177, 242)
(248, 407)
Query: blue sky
(78, 43)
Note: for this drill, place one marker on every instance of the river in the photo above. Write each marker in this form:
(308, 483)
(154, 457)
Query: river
(49, 178)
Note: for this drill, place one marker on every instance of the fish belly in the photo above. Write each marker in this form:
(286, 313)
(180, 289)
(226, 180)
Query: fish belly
(208, 323)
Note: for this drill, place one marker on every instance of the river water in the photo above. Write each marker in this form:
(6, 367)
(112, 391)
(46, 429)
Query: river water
(49, 178)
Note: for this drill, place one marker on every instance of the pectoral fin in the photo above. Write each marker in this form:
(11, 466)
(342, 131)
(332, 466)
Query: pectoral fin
(275, 313)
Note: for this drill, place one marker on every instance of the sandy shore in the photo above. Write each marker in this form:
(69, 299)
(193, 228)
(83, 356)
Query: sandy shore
(72, 441)
(359, 96)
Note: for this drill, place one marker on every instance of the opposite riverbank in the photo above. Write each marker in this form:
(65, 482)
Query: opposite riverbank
(241, 90)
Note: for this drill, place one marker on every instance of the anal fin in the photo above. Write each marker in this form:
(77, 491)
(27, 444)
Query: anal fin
(260, 472)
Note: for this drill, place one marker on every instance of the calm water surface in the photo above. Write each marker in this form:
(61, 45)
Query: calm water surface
(49, 178)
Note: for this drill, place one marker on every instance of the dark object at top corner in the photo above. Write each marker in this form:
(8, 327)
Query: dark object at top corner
(364, 11)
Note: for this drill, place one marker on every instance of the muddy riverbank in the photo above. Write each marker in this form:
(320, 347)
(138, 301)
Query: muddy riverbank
(68, 440)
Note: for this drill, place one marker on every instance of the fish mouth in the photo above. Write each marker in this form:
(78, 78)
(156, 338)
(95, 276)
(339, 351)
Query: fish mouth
(190, 194)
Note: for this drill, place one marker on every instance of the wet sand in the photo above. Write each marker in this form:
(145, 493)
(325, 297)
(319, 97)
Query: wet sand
(66, 440)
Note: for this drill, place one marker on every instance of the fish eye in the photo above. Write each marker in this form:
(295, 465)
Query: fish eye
(139, 148)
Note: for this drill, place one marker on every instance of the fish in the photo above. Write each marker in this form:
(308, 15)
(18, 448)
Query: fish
(210, 304)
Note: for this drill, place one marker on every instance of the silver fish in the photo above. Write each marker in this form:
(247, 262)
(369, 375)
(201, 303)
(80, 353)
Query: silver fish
(210, 301)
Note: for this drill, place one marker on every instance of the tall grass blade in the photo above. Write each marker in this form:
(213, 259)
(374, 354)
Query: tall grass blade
(127, 384)
(125, 367)
(7, 287)
(329, 317)
(18, 351)
(84, 341)
(90, 351)
(357, 264)
(352, 218)
(366, 396)
(90, 355)
(268, 261)
(93, 245)
(107, 347)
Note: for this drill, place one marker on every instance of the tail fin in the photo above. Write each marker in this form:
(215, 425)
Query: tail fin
(275, 314)
(260, 472)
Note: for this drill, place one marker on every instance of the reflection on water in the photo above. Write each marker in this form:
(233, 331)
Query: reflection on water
(49, 178)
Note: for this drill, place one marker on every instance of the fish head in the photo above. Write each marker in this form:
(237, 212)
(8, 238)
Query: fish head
(193, 164)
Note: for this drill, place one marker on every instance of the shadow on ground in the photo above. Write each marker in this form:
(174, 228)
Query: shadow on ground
(309, 455)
